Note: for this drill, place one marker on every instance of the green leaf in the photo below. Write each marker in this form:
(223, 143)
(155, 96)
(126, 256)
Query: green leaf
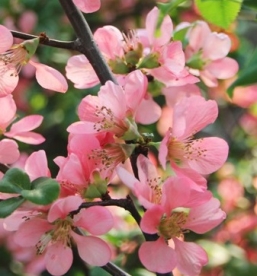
(219, 12)
(45, 191)
(9, 205)
(250, 3)
(14, 181)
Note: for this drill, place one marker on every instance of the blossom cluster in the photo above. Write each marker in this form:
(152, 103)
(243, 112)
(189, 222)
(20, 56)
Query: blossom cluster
(108, 134)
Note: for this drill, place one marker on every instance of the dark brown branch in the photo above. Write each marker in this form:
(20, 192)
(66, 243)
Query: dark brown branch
(88, 46)
(3, 168)
(70, 45)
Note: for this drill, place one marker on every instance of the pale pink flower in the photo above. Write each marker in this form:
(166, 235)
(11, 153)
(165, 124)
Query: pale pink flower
(176, 214)
(212, 63)
(88, 6)
(54, 235)
(204, 155)
(13, 58)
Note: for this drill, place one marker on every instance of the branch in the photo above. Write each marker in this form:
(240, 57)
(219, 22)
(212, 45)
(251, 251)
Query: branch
(3, 168)
(70, 45)
(87, 44)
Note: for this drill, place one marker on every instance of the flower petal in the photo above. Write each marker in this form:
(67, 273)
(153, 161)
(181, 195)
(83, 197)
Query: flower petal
(6, 39)
(88, 6)
(8, 111)
(191, 257)
(92, 250)
(50, 78)
(58, 258)
(157, 256)
(9, 152)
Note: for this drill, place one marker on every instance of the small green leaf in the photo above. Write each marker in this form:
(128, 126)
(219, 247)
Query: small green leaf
(44, 191)
(9, 205)
(14, 181)
(219, 12)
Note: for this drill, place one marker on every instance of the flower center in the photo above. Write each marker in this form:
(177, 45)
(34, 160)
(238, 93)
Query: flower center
(172, 226)
(60, 233)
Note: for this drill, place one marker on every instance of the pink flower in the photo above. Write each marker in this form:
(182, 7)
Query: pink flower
(9, 152)
(13, 58)
(204, 155)
(176, 214)
(208, 62)
(54, 235)
(114, 109)
(88, 6)
(150, 192)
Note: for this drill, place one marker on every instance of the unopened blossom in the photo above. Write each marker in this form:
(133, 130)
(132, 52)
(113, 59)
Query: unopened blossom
(206, 60)
(54, 235)
(9, 152)
(204, 155)
(13, 58)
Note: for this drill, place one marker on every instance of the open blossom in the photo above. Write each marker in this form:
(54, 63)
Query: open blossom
(170, 220)
(54, 235)
(13, 58)
(140, 49)
(207, 61)
(114, 109)
(204, 155)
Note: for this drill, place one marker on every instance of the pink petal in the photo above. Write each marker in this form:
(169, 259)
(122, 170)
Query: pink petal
(102, 218)
(26, 124)
(88, 6)
(127, 178)
(31, 231)
(174, 57)
(151, 219)
(222, 44)
(205, 217)
(209, 155)
(50, 78)
(92, 250)
(198, 34)
(109, 40)
(157, 256)
(163, 149)
(82, 128)
(31, 138)
(63, 206)
(6, 39)
(148, 111)
(208, 78)
(80, 72)
(191, 257)
(135, 89)
(174, 94)
(177, 188)
(36, 165)
(166, 28)
(223, 68)
(193, 114)
(9, 152)
(8, 111)
(58, 258)
(8, 80)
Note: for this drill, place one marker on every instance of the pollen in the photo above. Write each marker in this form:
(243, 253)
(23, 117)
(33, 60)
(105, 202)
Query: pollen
(172, 226)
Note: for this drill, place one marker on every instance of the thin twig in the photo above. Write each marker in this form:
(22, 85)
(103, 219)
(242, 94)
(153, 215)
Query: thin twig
(70, 45)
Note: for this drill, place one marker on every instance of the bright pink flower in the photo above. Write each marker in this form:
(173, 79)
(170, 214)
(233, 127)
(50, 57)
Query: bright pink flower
(114, 109)
(55, 234)
(149, 191)
(12, 59)
(204, 155)
(176, 214)
(208, 62)
(88, 6)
